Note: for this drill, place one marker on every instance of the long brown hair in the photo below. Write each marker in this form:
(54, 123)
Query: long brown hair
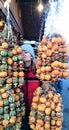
(33, 66)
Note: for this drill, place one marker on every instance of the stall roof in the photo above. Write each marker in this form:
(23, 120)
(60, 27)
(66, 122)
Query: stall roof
(31, 18)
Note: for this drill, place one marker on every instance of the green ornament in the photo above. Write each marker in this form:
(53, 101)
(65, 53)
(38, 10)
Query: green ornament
(15, 80)
(11, 99)
(6, 109)
(4, 53)
(12, 106)
(18, 110)
(22, 108)
(10, 54)
(4, 66)
(6, 117)
(6, 102)
(12, 113)
(21, 80)
(1, 110)
(21, 94)
(15, 58)
(20, 57)
(1, 80)
(4, 60)
(18, 104)
(8, 87)
(18, 126)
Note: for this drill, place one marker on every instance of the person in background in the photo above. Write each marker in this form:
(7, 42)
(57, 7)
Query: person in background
(31, 82)
(58, 85)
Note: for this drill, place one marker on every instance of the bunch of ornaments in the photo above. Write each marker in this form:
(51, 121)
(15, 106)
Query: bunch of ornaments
(52, 59)
(46, 108)
(12, 107)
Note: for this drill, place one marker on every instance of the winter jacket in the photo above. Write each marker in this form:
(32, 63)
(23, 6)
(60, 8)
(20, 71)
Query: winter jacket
(31, 82)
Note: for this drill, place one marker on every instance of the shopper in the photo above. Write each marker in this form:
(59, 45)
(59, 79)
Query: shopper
(58, 85)
(31, 81)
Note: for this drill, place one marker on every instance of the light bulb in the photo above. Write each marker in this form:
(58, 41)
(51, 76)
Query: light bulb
(40, 7)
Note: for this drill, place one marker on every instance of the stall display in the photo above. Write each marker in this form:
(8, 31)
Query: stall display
(47, 108)
(12, 108)
(52, 59)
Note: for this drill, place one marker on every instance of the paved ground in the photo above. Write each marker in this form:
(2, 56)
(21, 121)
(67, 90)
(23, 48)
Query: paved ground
(65, 97)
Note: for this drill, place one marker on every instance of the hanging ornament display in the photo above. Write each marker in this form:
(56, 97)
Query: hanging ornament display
(12, 108)
(52, 59)
(46, 109)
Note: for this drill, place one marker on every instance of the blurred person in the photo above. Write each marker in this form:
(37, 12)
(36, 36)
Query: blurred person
(58, 85)
(31, 82)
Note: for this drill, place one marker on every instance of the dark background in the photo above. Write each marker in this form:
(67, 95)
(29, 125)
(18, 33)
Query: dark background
(31, 18)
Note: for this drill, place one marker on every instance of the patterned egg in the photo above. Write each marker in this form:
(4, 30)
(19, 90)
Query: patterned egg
(1, 110)
(11, 99)
(6, 117)
(12, 113)
(6, 102)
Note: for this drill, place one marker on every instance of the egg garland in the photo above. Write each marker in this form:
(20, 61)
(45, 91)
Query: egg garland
(51, 60)
(12, 108)
(18, 74)
(46, 110)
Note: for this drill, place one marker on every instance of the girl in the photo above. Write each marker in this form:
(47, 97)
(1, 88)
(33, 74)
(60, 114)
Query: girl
(31, 81)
